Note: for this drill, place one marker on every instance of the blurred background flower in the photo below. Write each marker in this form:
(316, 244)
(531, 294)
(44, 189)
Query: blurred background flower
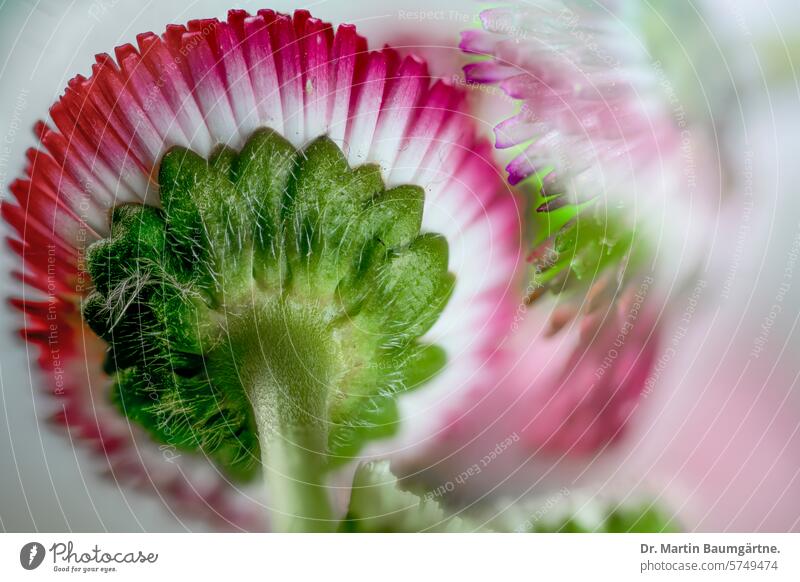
(656, 405)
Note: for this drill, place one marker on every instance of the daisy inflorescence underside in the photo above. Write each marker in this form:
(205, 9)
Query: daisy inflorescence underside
(366, 167)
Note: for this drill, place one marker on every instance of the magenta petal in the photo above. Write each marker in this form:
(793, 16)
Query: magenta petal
(316, 40)
(398, 109)
(345, 46)
(522, 166)
(368, 95)
(488, 72)
(290, 77)
(514, 130)
(476, 42)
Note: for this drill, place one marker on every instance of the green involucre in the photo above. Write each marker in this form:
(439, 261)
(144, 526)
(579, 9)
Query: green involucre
(592, 243)
(575, 244)
(268, 267)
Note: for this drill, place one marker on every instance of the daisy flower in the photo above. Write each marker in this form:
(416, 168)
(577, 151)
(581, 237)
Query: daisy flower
(247, 239)
(584, 334)
(593, 146)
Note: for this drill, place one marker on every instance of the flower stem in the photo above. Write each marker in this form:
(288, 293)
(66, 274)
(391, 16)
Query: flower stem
(294, 467)
(287, 363)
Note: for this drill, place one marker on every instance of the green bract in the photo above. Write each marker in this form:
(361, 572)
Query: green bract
(274, 290)
(592, 243)
(576, 244)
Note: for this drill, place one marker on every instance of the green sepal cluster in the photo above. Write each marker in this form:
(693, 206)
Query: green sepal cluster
(586, 247)
(268, 262)
(576, 244)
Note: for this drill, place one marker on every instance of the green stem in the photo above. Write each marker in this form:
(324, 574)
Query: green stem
(288, 363)
(294, 465)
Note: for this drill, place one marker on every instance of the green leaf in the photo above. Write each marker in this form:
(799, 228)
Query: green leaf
(378, 504)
